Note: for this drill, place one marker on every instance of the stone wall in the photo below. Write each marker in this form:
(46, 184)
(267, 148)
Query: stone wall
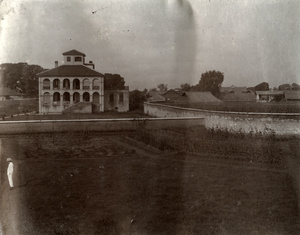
(264, 123)
(124, 124)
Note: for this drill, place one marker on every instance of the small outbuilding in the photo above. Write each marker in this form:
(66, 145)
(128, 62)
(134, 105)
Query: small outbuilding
(8, 94)
(292, 95)
(268, 96)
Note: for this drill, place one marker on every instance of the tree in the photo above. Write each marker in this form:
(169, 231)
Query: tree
(113, 82)
(295, 86)
(21, 76)
(162, 87)
(185, 87)
(136, 99)
(210, 81)
(284, 87)
(264, 86)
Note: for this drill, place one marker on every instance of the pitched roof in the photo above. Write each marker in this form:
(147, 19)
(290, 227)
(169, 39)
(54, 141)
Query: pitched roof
(269, 92)
(233, 89)
(156, 97)
(171, 94)
(197, 97)
(5, 91)
(238, 96)
(171, 91)
(73, 52)
(205, 96)
(292, 95)
(152, 93)
(71, 71)
(180, 92)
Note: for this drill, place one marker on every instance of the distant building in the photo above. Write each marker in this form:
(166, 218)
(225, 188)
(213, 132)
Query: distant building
(9, 94)
(197, 97)
(201, 96)
(292, 95)
(233, 89)
(155, 96)
(171, 95)
(237, 94)
(268, 96)
(75, 87)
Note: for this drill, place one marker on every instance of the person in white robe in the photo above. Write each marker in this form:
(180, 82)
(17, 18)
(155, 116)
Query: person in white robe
(10, 171)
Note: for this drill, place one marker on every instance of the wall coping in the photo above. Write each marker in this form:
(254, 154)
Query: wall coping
(225, 112)
(102, 120)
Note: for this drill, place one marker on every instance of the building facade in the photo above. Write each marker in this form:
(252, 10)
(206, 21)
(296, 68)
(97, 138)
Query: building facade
(116, 100)
(73, 87)
(269, 96)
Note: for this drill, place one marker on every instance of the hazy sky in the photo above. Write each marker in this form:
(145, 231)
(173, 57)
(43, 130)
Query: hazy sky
(159, 41)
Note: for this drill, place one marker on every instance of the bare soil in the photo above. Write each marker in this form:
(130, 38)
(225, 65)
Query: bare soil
(100, 183)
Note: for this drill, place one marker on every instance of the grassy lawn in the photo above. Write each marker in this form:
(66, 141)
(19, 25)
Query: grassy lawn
(111, 184)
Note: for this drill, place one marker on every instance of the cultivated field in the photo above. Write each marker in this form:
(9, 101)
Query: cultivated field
(96, 183)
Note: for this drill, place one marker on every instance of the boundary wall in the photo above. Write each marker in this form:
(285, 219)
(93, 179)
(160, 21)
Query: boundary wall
(124, 124)
(256, 123)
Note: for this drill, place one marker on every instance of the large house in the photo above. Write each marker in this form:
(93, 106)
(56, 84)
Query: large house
(75, 87)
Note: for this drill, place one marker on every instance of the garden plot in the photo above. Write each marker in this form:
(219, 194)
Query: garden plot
(97, 183)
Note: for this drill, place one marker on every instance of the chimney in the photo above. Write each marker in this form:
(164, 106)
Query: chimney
(91, 63)
(56, 64)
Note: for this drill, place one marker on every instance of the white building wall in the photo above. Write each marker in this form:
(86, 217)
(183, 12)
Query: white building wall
(58, 107)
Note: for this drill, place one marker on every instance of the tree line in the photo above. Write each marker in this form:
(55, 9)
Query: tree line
(212, 81)
(23, 78)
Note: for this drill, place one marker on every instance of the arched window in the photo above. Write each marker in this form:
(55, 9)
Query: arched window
(96, 84)
(76, 84)
(86, 96)
(46, 98)
(56, 98)
(66, 97)
(121, 97)
(56, 84)
(66, 84)
(96, 97)
(86, 84)
(76, 97)
(46, 84)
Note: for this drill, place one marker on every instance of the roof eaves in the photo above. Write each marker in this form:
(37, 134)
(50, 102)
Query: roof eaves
(73, 52)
